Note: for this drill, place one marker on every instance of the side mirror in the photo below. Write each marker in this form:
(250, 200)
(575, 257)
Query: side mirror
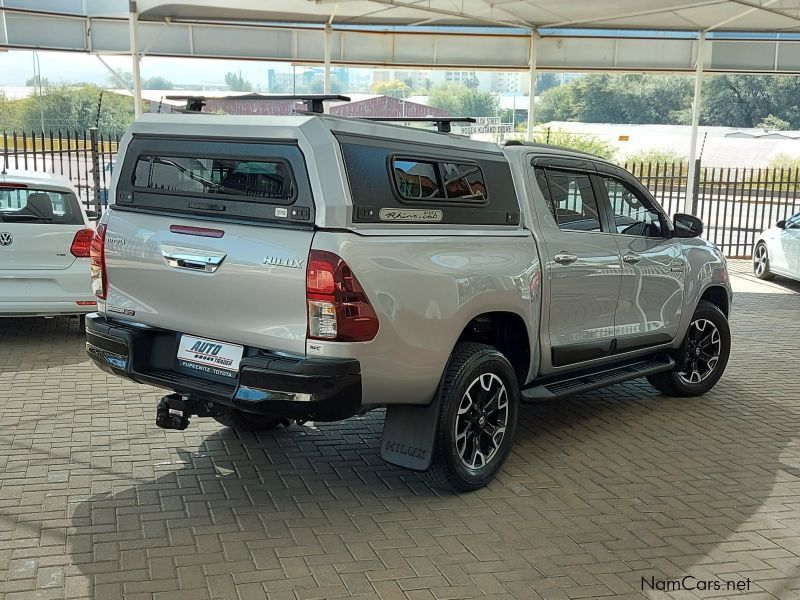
(92, 215)
(687, 226)
(781, 224)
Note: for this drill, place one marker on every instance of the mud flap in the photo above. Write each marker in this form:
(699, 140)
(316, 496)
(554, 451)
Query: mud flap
(408, 435)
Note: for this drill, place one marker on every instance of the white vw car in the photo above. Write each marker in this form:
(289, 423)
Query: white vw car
(45, 237)
(777, 250)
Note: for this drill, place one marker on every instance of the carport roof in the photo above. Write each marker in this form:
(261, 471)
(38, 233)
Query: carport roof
(676, 15)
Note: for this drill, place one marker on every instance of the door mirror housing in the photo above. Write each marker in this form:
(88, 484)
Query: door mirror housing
(92, 215)
(687, 226)
(781, 224)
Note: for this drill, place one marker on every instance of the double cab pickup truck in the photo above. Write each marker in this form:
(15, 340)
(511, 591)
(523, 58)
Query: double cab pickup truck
(270, 270)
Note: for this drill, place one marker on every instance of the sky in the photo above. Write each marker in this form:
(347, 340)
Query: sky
(17, 66)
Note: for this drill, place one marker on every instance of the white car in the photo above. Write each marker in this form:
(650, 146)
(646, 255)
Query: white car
(777, 250)
(45, 238)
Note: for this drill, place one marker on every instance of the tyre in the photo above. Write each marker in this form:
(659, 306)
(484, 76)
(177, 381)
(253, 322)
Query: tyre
(761, 262)
(702, 357)
(478, 406)
(245, 421)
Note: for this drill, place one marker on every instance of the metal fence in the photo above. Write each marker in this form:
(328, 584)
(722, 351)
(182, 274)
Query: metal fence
(84, 157)
(734, 203)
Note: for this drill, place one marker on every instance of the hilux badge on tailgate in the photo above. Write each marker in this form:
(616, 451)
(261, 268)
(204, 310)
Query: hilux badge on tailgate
(279, 261)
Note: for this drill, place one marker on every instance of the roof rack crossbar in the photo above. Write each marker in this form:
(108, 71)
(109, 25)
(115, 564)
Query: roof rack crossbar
(314, 102)
(443, 124)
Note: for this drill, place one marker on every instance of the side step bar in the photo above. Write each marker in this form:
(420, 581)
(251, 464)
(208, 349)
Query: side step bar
(571, 383)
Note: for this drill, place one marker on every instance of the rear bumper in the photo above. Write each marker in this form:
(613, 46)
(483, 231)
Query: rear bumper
(45, 309)
(313, 389)
(46, 292)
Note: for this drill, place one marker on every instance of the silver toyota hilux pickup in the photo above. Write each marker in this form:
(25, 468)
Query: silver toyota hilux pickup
(266, 270)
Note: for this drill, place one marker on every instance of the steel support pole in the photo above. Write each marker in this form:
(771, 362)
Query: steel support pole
(532, 83)
(698, 88)
(327, 88)
(133, 31)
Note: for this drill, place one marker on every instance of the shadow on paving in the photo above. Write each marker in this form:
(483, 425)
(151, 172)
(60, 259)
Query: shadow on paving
(600, 490)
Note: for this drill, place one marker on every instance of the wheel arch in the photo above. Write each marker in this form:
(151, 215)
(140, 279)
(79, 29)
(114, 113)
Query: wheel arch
(718, 296)
(506, 331)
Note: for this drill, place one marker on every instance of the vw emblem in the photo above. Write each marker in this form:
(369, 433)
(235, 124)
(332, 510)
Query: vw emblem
(6, 239)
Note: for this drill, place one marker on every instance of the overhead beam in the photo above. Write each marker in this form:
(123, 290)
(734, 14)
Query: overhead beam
(397, 49)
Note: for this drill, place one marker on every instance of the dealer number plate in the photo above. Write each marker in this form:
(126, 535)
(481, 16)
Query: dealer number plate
(209, 357)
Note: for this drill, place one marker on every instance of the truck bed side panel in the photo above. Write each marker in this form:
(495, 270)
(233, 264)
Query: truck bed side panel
(425, 290)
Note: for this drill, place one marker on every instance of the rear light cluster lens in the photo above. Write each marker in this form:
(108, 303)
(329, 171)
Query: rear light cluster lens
(81, 243)
(97, 251)
(338, 308)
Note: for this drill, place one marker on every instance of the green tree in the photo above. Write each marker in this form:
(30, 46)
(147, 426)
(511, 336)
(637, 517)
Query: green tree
(461, 101)
(394, 88)
(737, 100)
(9, 113)
(34, 81)
(157, 83)
(546, 81)
(575, 141)
(75, 108)
(618, 99)
(237, 83)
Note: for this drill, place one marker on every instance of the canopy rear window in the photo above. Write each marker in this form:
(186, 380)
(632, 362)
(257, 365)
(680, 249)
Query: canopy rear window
(226, 179)
(264, 179)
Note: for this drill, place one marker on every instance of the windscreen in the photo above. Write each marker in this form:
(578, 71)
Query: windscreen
(30, 205)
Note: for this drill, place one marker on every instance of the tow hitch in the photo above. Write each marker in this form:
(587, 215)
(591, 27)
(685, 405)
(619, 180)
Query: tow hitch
(173, 411)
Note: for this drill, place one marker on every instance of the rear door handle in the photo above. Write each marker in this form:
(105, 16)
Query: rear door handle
(563, 258)
(182, 259)
(631, 258)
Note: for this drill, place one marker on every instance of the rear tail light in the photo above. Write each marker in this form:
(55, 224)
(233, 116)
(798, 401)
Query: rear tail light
(338, 308)
(97, 251)
(81, 243)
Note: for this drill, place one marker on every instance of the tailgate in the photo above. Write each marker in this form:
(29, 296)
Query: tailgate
(210, 238)
(247, 287)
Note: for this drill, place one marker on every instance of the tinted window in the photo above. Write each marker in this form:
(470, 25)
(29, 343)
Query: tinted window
(271, 180)
(434, 180)
(793, 222)
(26, 205)
(632, 216)
(571, 200)
(416, 180)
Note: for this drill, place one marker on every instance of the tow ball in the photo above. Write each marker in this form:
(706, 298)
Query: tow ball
(173, 411)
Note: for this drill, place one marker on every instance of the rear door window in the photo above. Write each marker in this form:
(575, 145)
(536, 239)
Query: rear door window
(29, 205)
(570, 199)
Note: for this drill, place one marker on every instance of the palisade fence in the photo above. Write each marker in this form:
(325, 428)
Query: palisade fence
(84, 157)
(734, 203)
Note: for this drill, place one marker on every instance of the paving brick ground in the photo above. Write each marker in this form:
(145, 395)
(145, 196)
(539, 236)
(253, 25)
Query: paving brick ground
(601, 490)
